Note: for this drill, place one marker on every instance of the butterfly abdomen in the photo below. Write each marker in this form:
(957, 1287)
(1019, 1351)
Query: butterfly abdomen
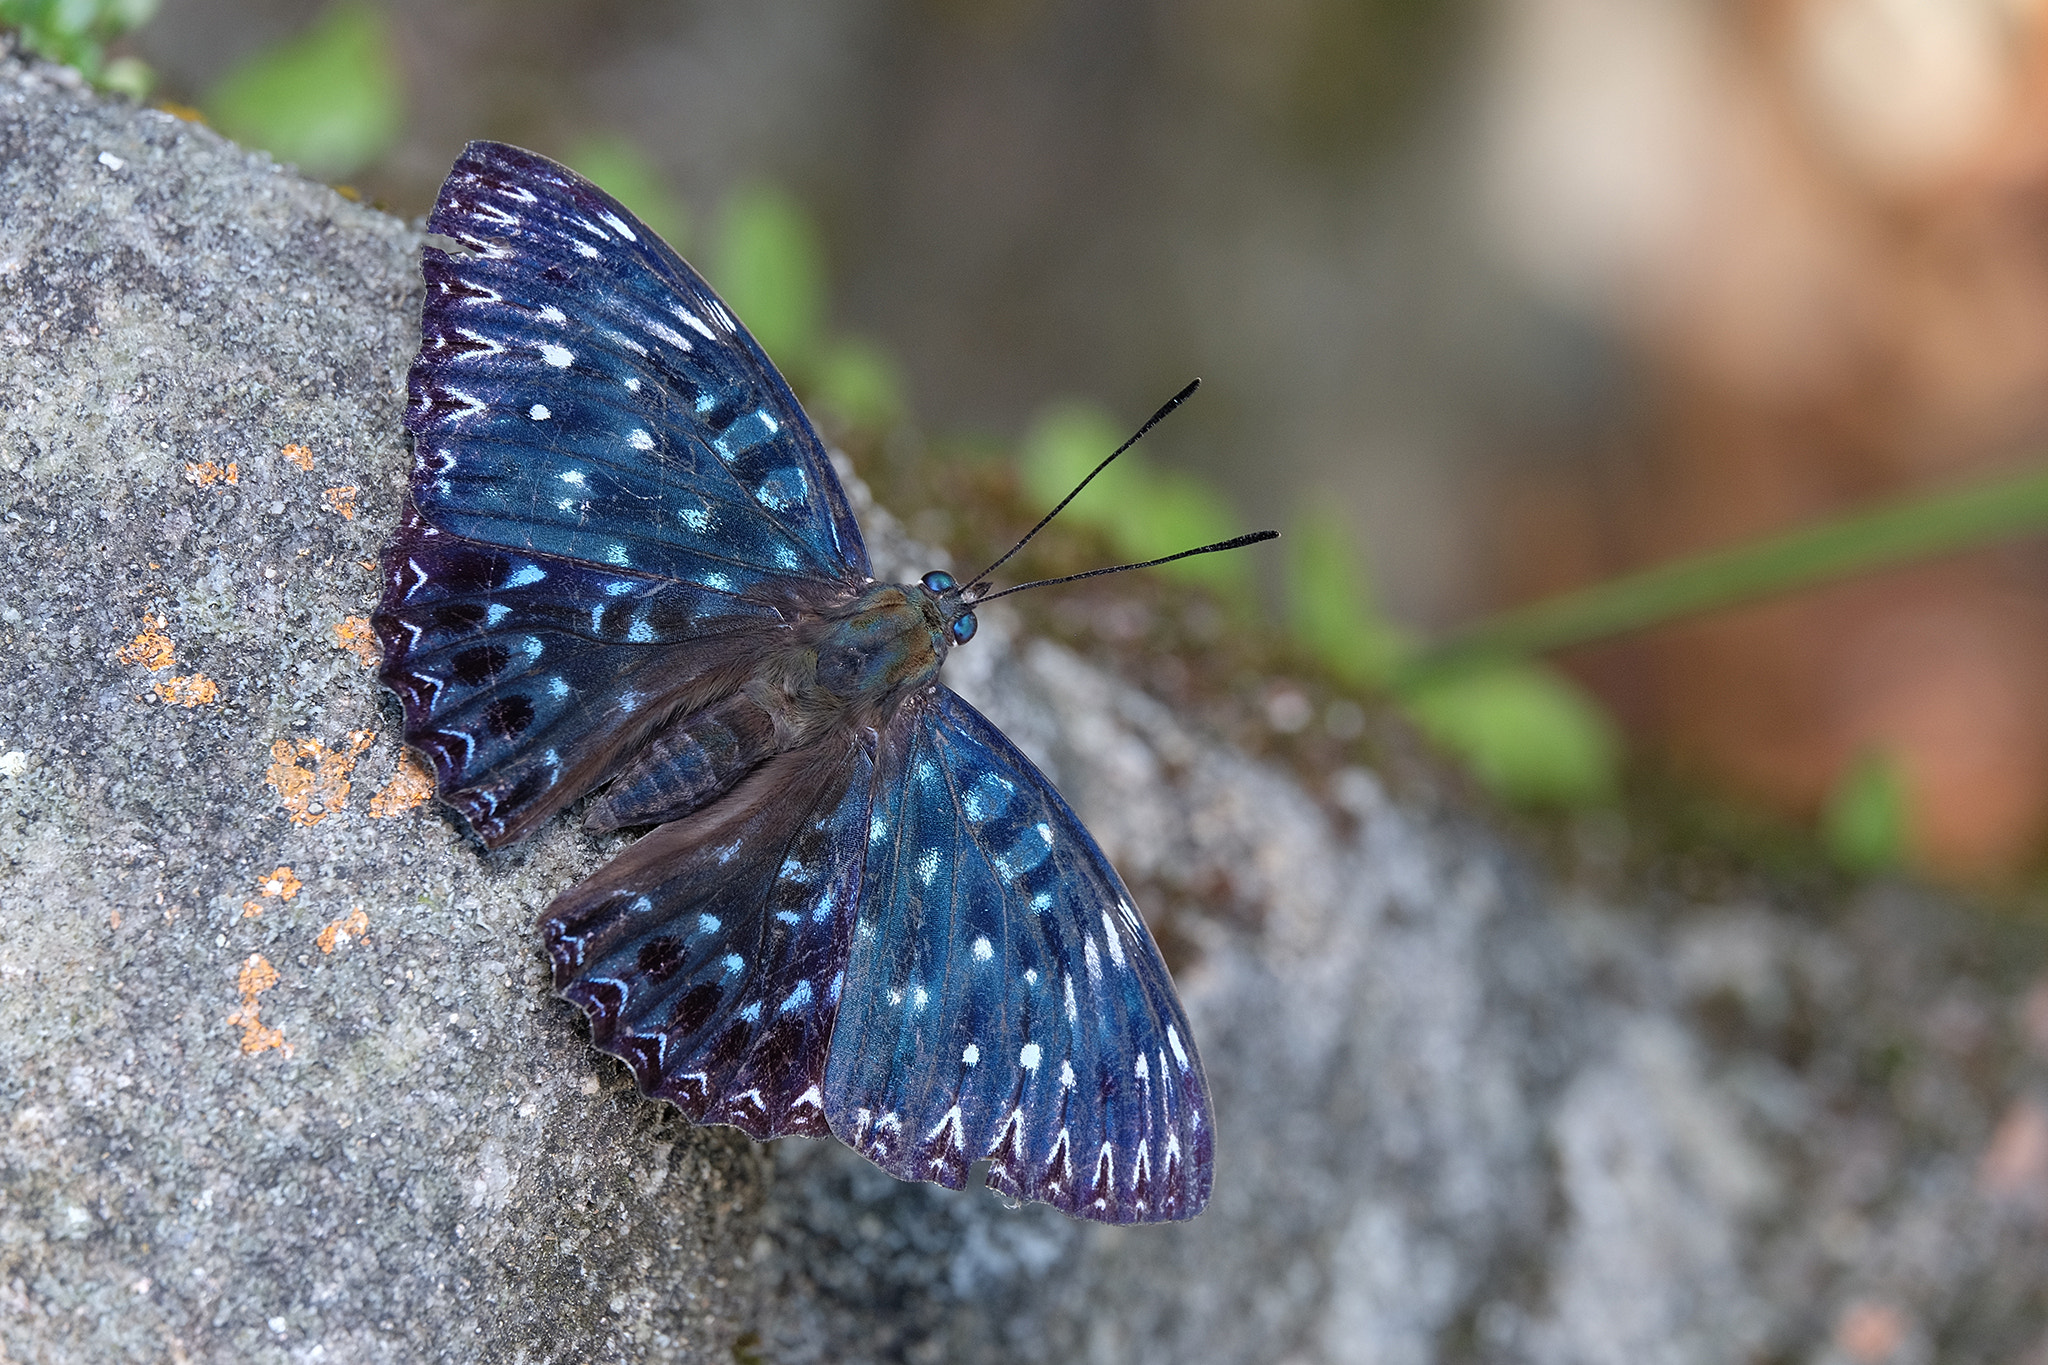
(686, 765)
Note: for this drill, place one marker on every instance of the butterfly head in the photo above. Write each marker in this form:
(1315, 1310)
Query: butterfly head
(956, 613)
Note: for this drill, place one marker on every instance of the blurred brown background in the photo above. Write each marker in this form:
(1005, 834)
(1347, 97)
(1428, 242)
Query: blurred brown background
(1535, 291)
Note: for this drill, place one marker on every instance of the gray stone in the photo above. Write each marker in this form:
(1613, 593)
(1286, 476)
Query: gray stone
(1464, 1112)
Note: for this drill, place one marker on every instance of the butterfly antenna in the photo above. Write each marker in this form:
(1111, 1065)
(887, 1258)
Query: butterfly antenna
(1234, 543)
(980, 580)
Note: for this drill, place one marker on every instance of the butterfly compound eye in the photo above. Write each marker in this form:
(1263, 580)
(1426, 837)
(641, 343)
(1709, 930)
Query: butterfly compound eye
(938, 580)
(963, 629)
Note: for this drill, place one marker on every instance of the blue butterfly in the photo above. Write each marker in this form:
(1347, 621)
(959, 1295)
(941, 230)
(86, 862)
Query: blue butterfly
(628, 568)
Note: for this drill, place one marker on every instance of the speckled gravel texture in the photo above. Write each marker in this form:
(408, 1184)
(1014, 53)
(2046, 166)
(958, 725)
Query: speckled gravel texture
(281, 1079)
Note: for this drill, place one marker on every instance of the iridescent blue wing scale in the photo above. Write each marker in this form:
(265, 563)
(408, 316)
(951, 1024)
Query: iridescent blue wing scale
(615, 497)
(710, 955)
(1004, 998)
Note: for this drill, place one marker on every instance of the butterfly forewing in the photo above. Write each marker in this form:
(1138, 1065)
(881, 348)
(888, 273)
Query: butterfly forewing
(1004, 999)
(615, 498)
(581, 390)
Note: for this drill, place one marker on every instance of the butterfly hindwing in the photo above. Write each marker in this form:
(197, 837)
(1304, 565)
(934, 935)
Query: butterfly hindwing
(710, 954)
(1004, 998)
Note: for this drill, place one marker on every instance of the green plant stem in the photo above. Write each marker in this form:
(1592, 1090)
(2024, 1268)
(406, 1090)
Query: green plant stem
(1926, 527)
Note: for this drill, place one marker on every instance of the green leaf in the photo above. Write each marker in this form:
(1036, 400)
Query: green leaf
(1146, 511)
(770, 269)
(1919, 528)
(1864, 825)
(1527, 732)
(860, 385)
(75, 32)
(329, 100)
(616, 165)
(1331, 607)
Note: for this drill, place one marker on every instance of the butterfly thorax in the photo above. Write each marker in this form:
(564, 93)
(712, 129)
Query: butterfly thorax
(889, 642)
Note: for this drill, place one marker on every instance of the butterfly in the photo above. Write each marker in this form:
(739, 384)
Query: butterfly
(627, 568)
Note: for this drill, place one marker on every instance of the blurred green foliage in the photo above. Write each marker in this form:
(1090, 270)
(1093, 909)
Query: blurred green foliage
(859, 384)
(1330, 604)
(1864, 825)
(1530, 735)
(616, 165)
(768, 265)
(76, 33)
(330, 100)
(1145, 511)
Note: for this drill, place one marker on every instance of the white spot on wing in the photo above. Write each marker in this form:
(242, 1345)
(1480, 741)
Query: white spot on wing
(970, 1054)
(1067, 1080)
(801, 996)
(810, 1097)
(1180, 1053)
(1029, 1056)
(550, 313)
(612, 220)
(983, 949)
(693, 322)
(1073, 1010)
(539, 412)
(561, 357)
(1112, 940)
(639, 439)
(1093, 958)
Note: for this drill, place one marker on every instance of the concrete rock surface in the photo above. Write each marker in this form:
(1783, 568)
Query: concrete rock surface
(281, 1079)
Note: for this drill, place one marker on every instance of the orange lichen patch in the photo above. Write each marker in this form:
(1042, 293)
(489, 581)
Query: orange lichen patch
(152, 649)
(302, 456)
(281, 884)
(343, 500)
(353, 925)
(189, 690)
(409, 787)
(353, 634)
(251, 910)
(256, 977)
(311, 794)
(207, 472)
